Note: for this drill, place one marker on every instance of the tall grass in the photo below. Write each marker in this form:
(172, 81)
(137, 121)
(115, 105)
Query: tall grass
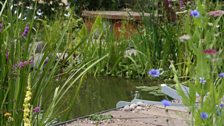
(18, 65)
(155, 44)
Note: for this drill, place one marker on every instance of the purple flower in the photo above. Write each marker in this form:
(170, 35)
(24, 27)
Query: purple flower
(36, 109)
(154, 73)
(221, 105)
(181, 4)
(26, 30)
(210, 51)
(7, 55)
(166, 102)
(216, 13)
(22, 64)
(221, 75)
(204, 115)
(194, 13)
(202, 80)
(1, 26)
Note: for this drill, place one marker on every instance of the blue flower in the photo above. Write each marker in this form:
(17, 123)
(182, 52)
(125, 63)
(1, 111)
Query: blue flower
(221, 75)
(166, 102)
(202, 80)
(194, 13)
(204, 115)
(154, 73)
(221, 105)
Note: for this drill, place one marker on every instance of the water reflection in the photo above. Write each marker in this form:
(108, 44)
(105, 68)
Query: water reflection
(98, 94)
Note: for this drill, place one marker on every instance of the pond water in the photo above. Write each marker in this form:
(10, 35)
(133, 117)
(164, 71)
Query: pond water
(102, 93)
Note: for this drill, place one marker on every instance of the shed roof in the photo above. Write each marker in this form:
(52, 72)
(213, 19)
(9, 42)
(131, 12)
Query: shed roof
(127, 15)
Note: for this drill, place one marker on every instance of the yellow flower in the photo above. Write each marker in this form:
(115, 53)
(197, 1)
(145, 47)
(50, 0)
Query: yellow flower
(26, 105)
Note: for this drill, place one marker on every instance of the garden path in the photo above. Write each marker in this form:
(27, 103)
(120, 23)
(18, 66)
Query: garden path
(151, 115)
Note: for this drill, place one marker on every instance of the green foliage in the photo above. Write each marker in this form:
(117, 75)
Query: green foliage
(18, 61)
(205, 66)
(100, 117)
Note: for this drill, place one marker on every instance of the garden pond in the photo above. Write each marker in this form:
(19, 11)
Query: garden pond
(102, 93)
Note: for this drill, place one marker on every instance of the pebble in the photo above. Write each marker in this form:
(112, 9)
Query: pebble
(139, 108)
(141, 104)
(133, 106)
(126, 108)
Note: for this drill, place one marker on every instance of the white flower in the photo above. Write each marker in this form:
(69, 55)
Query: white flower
(67, 14)
(184, 38)
(39, 12)
(20, 15)
(130, 52)
(211, 24)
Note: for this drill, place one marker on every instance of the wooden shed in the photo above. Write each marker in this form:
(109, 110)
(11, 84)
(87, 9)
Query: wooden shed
(117, 18)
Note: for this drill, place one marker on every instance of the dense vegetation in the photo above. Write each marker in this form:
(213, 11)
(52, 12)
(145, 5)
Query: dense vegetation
(180, 41)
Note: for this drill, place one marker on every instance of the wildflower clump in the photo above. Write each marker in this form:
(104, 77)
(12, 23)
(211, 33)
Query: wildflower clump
(26, 105)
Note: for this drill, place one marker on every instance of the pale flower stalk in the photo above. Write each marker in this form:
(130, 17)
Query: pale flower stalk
(26, 105)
